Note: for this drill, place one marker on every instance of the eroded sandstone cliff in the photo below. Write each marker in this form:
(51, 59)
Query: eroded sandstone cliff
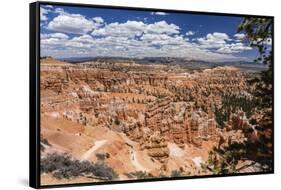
(150, 106)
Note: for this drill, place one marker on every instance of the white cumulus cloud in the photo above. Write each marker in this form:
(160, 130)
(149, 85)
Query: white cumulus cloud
(162, 27)
(159, 13)
(71, 23)
(54, 35)
(136, 28)
(239, 36)
(233, 48)
(215, 40)
(220, 43)
(98, 19)
(43, 14)
(95, 37)
(189, 33)
(127, 29)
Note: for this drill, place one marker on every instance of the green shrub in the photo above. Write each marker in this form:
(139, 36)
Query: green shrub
(224, 160)
(139, 175)
(117, 121)
(45, 141)
(63, 166)
(231, 103)
(176, 173)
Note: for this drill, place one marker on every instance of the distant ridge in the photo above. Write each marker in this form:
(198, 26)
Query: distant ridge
(52, 61)
(161, 60)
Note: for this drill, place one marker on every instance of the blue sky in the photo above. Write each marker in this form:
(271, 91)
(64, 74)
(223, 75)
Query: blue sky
(83, 32)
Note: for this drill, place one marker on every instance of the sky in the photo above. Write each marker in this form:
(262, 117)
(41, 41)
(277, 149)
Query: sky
(93, 32)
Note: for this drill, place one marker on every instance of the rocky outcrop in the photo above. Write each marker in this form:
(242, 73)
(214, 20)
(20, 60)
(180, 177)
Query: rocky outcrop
(155, 115)
(141, 101)
(157, 148)
(180, 123)
(199, 127)
(238, 121)
(227, 138)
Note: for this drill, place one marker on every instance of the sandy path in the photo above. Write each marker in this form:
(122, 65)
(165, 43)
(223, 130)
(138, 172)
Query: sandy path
(133, 155)
(135, 161)
(175, 150)
(198, 161)
(90, 152)
(44, 145)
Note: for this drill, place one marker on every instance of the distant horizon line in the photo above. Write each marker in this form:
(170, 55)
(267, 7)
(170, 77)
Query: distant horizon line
(140, 58)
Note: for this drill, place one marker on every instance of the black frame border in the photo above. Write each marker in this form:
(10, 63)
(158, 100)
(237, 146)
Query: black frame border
(34, 94)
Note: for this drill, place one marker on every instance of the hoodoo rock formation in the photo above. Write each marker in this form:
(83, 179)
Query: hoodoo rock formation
(148, 105)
